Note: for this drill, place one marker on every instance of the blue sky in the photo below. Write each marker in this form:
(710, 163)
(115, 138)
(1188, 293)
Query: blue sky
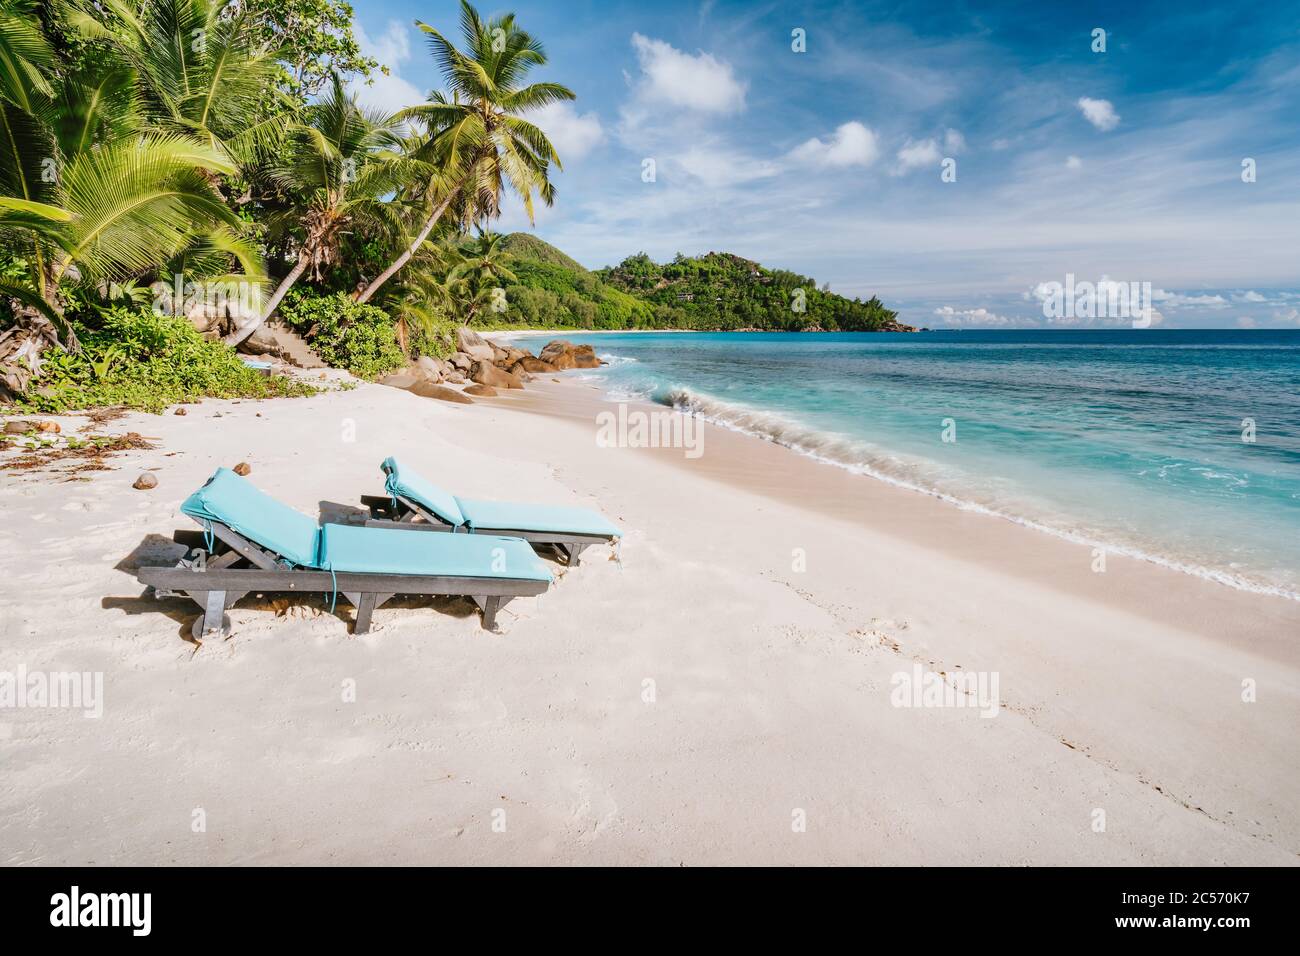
(1123, 165)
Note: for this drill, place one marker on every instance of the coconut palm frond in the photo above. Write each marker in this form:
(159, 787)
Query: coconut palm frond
(138, 202)
(474, 133)
(26, 57)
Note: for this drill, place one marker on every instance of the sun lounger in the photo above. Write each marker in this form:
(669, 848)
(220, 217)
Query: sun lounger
(255, 543)
(415, 502)
(261, 368)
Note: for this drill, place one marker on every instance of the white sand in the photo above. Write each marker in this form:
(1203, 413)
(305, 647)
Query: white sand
(1120, 692)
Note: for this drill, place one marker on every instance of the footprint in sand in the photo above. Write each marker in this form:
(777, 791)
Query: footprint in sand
(888, 624)
(593, 813)
(885, 632)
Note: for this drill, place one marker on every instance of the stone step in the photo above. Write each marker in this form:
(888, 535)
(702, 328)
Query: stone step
(277, 340)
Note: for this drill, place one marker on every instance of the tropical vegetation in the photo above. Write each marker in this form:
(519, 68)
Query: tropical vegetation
(715, 292)
(155, 151)
(723, 292)
(140, 359)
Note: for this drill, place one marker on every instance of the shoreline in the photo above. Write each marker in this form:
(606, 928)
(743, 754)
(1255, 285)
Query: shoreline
(1220, 575)
(1212, 575)
(770, 674)
(1052, 559)
(508, 333)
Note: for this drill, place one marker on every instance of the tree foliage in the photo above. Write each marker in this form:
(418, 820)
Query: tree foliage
(721, 291)
(344, 333)
(716, 292)
(314, 41)
(184, 142)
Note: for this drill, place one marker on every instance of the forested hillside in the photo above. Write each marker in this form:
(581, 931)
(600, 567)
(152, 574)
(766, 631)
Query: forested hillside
(717, 291)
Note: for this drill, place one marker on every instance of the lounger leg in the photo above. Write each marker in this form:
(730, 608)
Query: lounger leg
(575, 554)
(212, 613)
(202, 598)
(365, 608)
(214, 607)
(490, 607)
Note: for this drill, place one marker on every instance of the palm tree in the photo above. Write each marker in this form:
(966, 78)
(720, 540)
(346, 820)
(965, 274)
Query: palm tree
(477, 141)
(336, 169)
(200, 68)
(26, 91)
(182, 80)
(86, 186)
(96, 193)
(421, 298)
(477, 280)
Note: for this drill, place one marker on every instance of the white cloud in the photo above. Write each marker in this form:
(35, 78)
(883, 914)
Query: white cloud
(573, 134)
(1073, 162)
(1100, 113)
(918, 154)
(915, 155)
(1105, 302)
(387, 92)
(696, 81)
(1251, 296)
(1163, 187)
(972, 317)
(1176, 300)
(390, 48)
(1287, 315)
(719, 167)
(852, 144)
(1246, 322)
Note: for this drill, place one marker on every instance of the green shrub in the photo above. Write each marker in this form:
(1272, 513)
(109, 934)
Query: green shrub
(346, 334)
(434, 340)
(140, 359)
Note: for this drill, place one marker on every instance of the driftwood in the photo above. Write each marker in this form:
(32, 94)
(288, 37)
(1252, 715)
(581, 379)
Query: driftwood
(21, 348)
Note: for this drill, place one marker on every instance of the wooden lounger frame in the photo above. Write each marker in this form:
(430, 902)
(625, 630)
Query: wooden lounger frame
(410, 514)
(219, 581)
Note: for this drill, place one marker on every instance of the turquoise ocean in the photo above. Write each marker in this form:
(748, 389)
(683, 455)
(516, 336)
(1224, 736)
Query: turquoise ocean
(1136, 441)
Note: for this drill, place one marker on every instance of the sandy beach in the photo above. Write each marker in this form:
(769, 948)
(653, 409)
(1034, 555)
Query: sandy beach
(722, 696)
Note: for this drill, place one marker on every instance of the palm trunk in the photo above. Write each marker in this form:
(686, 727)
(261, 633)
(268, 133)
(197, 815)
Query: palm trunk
(285, 285)
(405, 257)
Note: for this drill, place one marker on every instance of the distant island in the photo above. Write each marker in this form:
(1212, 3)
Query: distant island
(716, 292)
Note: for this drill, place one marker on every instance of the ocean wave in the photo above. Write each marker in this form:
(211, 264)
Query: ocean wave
(912, 474)
(625, 393)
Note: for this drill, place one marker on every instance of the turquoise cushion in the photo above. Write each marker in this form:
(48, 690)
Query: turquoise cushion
(239, 505)
(393, 551)
(513, 516)
(411, 485)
